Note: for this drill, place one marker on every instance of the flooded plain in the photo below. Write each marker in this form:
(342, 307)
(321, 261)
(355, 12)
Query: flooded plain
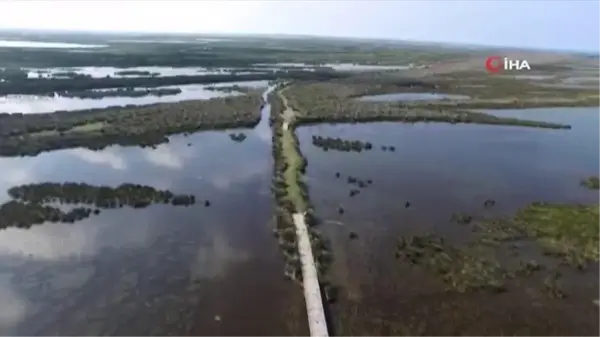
(161, 270)
(411, 96)
(40, 44)
(434, 171)
(132, 72)
(38, 104)
(335, 66)
(201, 270)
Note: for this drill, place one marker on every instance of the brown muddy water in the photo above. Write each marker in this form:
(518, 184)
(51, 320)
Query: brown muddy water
(441, 169)
(161, 270)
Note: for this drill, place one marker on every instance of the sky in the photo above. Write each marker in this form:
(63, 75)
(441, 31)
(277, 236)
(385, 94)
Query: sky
(559, 25)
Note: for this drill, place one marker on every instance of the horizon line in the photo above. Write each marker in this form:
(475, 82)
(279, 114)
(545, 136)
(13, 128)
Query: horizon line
(299, 35)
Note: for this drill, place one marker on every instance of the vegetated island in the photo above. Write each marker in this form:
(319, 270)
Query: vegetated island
(34, 204)
(337, 100)
(567, 232)
(593, 183)
(30, 134)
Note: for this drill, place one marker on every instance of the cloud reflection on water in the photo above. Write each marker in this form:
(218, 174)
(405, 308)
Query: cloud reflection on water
(109, 157)
(56, 241)
(212, 260)
(224, 180)
(165, 156)
(212, 161)
(14, 306)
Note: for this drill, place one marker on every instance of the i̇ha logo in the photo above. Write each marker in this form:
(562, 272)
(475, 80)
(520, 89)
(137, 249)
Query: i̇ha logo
(494, 64)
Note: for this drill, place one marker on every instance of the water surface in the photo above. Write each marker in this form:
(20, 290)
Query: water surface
(441, 169)
(335, 66)
(38, 44)
(102, 72)
(38, 104)
(162, 270)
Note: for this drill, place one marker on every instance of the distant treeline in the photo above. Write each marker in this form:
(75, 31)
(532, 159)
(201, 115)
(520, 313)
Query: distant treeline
(121, 92)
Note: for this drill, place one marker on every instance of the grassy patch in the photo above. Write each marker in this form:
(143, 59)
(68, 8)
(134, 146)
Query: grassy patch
(568, 231)
(295, 194)
(461, 269)
(87, 127)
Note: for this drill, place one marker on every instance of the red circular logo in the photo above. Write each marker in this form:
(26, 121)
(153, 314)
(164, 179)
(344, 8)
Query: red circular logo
(493, 64)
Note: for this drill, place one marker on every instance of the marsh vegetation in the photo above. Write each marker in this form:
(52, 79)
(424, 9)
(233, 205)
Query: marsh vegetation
(35, 204)
(335, 100)
(461, 269)
(566, 232)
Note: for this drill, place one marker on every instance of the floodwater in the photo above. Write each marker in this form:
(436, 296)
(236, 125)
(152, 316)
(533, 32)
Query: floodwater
(102, 72)
(39, 104)
(579, 79)
(411, 96)
(162, 270)
(335, 66)
(363, 67)
(442, 169)
(575, 82)
(532, 77)
(38, 44)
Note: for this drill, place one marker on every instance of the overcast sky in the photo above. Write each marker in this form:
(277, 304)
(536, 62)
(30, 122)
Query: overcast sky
(568, 24)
